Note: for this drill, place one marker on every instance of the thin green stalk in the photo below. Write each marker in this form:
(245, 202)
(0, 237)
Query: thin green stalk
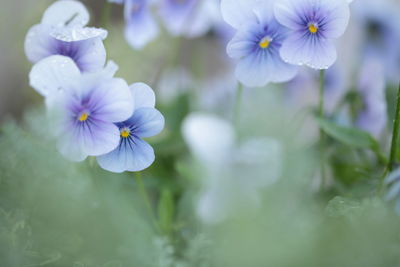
(395, 136)
(238, 104)
(321, 113)
(146, 199)
(393, 147)
(105, 18)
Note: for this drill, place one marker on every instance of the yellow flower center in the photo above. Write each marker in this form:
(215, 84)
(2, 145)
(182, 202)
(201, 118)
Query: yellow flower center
(265, 42)
(313, 28)
(125, 133)
(83, 117)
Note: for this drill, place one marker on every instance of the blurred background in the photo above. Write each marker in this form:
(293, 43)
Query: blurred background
(260, 206)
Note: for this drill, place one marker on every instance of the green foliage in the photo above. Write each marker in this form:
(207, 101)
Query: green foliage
(348, 135)
(58, 213)
(166, 210)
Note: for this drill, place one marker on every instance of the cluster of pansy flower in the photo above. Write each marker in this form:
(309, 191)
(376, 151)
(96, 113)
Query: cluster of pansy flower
(188, 18)
(91, 112)
(273, 37)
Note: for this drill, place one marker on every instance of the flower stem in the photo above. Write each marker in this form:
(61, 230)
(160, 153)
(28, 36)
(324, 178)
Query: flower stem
(395, 136)
(146, 199)
(238, 103)
(393, 147)
(106, 14)
(322, 134)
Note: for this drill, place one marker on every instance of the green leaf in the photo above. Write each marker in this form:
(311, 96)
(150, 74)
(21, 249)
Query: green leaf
(166, 210)
(348, 135)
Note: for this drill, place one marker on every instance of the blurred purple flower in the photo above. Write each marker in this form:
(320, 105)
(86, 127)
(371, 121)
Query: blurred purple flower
(303, 89)
(62, 32)
(141, 27)
(380, 28)
(134, 154)
(371, 86)
(189, 18)
(83, 108)
(256, 43)
(313, 24)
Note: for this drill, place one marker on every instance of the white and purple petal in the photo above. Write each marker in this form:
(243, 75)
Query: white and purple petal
(238, 12)
(132, 154)
(108, 99)
(190, 18)
(143, 95)
(262, 67)
(52, 74)
(88, 53)
(77, 140)
(38, 43)
(300, 49)
(66, 13)
(146, 122)
(141, 27)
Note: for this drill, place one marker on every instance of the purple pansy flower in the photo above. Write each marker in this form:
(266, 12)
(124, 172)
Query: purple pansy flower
(256, 43)
(133, 153)
(62, 32)
(141, 27)
(313, 25)
(83, 108)
(190, 18)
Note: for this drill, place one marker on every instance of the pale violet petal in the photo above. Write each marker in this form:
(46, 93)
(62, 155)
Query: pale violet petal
(143, 95)
(72, 34)
(207, 15)
(52, 74)
(90, 55)
(259, 69)
(99, 137)
(237, 12)
(147, 122)
(71, 150)
(130, 155)
(298, 49)
(264, 11)
(110, 69)
(111, 98)
(286, 12)
(38, 43)
(141, 27)
(66, 13)
(338, 18)
(94, 139)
